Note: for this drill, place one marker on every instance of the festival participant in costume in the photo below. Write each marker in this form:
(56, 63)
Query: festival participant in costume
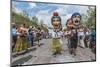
(42, 34)
(31, 35)
(73, 42)
(81, 37)
(87, 37)
(56, 22)
(18, 43)
(76, 19)
(38, 35)
(14, 36)
(93, 41)
(61, 34)
(69, 26)
(22, 43)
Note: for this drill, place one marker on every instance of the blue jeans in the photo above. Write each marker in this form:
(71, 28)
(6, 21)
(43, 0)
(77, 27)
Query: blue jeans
(31, 40)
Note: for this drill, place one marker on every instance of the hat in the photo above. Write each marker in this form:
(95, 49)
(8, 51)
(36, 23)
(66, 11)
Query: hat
(55, 14)
(75, 14)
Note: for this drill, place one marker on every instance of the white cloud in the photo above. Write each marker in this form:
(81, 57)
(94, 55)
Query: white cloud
(17, 10)
(65, 18)
(83, 9)
(66, 9)
(32, 5)
(45, 16)
(62, 10)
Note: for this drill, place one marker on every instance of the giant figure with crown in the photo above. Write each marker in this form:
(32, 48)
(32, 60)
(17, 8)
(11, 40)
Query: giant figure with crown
(57, 27)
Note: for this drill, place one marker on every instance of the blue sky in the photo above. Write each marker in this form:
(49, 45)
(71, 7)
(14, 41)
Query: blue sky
(33, 8)
(44, 11)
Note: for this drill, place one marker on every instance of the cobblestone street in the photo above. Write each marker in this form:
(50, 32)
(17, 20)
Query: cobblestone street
(43, 54)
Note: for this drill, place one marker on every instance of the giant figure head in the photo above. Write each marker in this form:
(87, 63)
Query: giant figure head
(69, 23)
(56, 21)
(76, 19)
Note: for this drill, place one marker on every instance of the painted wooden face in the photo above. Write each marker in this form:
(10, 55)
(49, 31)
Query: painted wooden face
(56, 22)
(76, 20)
(69, 24)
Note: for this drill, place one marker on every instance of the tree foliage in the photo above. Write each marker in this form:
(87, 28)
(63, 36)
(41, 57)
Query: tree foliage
(23, 18)
(91, 17)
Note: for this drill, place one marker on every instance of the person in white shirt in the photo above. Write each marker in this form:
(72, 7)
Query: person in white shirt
(81, 37)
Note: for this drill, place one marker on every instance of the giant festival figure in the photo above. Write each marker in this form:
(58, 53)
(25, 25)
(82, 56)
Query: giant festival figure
(57, 27)
(73, 25)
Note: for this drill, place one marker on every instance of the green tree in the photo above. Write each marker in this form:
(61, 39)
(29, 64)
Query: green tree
(20, 18)
(91, 17)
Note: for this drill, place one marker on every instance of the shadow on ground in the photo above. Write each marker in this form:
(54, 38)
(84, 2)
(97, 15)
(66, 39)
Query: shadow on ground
(21, 60)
